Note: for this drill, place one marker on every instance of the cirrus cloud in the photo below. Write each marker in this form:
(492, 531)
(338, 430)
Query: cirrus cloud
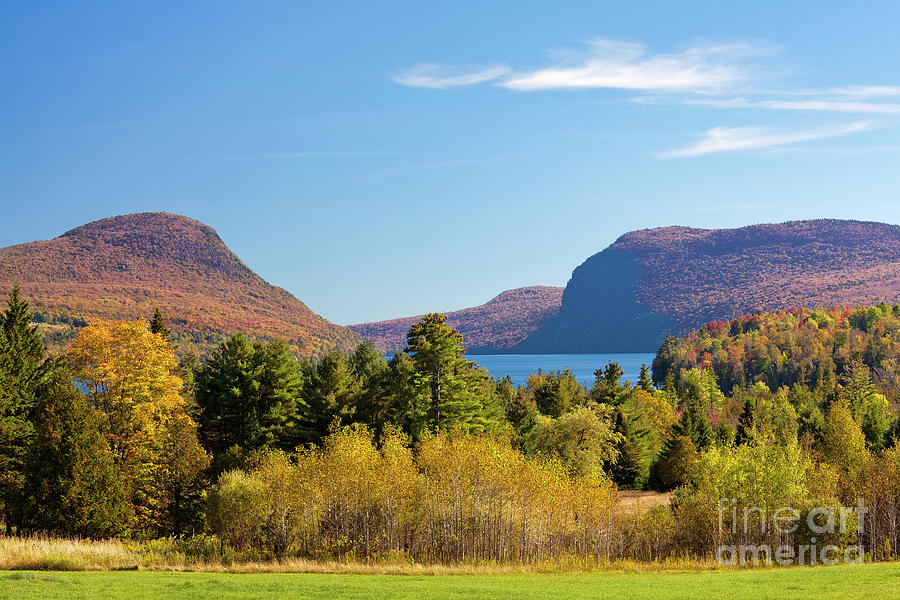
(607, 63)
(628, 65)
(718, 75)
(829, 104)
(433, 75)
(729, 139)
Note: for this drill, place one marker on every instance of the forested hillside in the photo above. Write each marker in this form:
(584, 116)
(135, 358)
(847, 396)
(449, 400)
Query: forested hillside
(800, 346)
(253, 455)
(655, 282)
(124, 267)
(495, 326)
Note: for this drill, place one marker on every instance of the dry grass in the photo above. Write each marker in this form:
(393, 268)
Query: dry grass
(51, 554)
(640, 502)
(64, 554)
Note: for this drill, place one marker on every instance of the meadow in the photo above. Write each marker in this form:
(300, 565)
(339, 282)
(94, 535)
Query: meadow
(871, 581)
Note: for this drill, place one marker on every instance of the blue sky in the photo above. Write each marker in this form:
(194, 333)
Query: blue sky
(385, 159)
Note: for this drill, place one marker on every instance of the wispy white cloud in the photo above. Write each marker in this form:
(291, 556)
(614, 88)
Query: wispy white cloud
(432, 75)
(828, 105)
(852, 91)
(707, 73)
(729, 139)
(721, 75)
(607, 63)
(628, 65)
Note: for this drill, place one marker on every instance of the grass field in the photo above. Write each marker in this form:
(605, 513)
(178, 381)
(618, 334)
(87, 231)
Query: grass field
(842, 582)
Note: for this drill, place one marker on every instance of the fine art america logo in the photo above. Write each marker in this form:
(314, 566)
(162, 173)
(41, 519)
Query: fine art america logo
(815, 536)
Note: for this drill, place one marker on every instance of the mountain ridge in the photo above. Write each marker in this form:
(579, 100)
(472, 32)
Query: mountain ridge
(127, 265)
(495, 326)
(652, 282)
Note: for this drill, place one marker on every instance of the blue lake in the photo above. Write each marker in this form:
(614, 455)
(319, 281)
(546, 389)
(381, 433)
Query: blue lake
(520, 366)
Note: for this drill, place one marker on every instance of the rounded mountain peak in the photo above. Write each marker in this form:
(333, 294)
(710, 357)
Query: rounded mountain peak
(158, 236)
(148, 222)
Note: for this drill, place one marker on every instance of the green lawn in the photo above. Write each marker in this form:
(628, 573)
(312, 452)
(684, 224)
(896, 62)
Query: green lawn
(841, 582)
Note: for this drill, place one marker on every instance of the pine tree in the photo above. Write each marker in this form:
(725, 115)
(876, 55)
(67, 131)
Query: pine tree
(670, 389)
(369, 404)
(72, 486)
(645, 382)
(675, 463)
(330, 393)
(519, 409)
(636, 450)
(158, 325)
(248, 393)
(607, 389)
(556, 393)
(746, 421)
(870, 409)
(448, 384)
(695, 425)
(23, 370)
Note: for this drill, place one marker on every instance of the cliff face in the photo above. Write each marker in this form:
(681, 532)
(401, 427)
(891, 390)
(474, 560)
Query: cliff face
(495, 326)
(669, 280)
(123, 267)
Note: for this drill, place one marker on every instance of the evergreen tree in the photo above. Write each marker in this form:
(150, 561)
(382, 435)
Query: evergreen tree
(870, 408)
(636, 449)
(330, 393)
(182, 475)
(670, 389)
(23, 370)
(447, 385)
(645, 382)
(746, 421)
(695, 425)
(72, 486)
(556, 393)
(519, 409)
(248, 393)
(158, 325)
(371, 371)
(676, 464)
(607, 389)
(401, 402)
(664, 361)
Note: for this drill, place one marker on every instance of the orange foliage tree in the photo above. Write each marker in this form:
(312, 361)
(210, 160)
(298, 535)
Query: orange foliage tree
(129, 374)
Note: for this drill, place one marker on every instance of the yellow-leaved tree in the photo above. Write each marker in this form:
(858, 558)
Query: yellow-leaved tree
(129, 375)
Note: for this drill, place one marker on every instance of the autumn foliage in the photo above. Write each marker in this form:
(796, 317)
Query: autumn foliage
(121, 268)
(255, 454)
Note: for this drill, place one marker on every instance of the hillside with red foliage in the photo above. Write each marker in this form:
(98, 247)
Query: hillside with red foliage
(497, 325)
(654, 282)
(123, 267)
(810, 347)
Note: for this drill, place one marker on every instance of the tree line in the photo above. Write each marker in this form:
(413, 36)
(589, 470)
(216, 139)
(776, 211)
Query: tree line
(425, 455)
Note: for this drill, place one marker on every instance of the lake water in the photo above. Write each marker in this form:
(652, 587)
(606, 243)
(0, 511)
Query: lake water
(520, 366)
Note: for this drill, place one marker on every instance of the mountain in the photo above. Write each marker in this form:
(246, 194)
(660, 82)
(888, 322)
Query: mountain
(669, 280)
(123, 267)
(495, 326)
